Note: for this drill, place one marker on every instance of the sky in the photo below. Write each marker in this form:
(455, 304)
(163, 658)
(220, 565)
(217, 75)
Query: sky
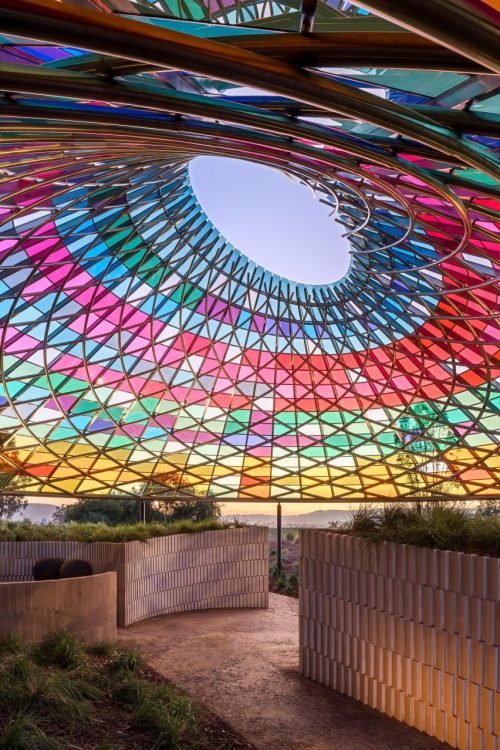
(277, 222)
(288, 509)
(241, 509)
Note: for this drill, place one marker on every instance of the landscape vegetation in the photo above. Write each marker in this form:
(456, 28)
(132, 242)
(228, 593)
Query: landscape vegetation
(62, 694)
(443, 525)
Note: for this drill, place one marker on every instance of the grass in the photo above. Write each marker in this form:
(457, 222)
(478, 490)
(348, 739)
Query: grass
(287, 582)
(21, 733)
(62, 650)
(62, 694)
(25, 531)
(284, 583)
(447, 525)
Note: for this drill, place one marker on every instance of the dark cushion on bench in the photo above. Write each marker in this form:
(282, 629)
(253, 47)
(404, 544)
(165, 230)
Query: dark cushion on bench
(75, 569)
(47, 568)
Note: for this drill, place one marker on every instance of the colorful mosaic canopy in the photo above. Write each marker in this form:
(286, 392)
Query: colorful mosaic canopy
(142, 352)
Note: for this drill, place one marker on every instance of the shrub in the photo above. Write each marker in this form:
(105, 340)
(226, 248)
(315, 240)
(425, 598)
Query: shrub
(12, 644)
(281, 581)
(290, 536)
(441, 525)
(172, 716)
(62, 649)
(158, 708)
(119, 512)
(103, 648)
(127, 661)
(21, 733)
(62, 694)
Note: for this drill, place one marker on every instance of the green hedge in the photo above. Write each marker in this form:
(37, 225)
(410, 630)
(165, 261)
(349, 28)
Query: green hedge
(100, 532)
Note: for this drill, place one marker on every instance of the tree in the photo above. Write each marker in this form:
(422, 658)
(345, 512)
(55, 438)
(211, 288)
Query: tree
(171, 484)
(425, 440)
(489, 506)
(106, 510)
(163, 505)
(190, 510)
(10, 478)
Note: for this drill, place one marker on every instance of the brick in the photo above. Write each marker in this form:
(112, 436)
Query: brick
(439, 724)
(463, 735)
(492, 565)
(456, 572)
(465, 658)
(477, 665)
(473, 704)
(492, 667)
(476, 738)
(476, 619)
(450, 729)
(422, 566)
(439, 649)
(436, 694)
(443, 569)
(486, 707)
(452, 645)
(463, 615)
(496, 713)
(448, 696)
(428, 723)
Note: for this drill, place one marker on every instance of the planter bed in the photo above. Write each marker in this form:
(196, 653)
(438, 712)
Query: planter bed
(204, 570)
(411, 631)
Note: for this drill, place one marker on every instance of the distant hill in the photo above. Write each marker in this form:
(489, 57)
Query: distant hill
(36, 512)
(316, 519)
(42, 513)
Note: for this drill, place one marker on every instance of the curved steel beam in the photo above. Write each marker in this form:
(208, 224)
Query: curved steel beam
(52, 21)
(363, 49)
(459, 120)
(69, 123)
(377, 49)
(162, 100)
(386, 153)
(461, 26)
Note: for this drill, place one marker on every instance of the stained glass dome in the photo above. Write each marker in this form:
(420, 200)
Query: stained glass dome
(140, 350)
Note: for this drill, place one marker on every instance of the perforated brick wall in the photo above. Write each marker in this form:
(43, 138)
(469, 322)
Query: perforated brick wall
(209, 570)
(412, 632)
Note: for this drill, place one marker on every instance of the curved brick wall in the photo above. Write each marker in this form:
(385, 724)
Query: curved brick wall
(205, 570)
(86, 606)
(412, 632)
(208, 570)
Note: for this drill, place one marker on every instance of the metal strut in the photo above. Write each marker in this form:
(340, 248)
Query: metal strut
(279, 563)
(307, 14)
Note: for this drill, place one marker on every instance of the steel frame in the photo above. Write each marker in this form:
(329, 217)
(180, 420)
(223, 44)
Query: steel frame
(413, 184)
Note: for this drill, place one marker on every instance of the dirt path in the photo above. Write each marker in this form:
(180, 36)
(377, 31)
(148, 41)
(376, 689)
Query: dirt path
(243, 665)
